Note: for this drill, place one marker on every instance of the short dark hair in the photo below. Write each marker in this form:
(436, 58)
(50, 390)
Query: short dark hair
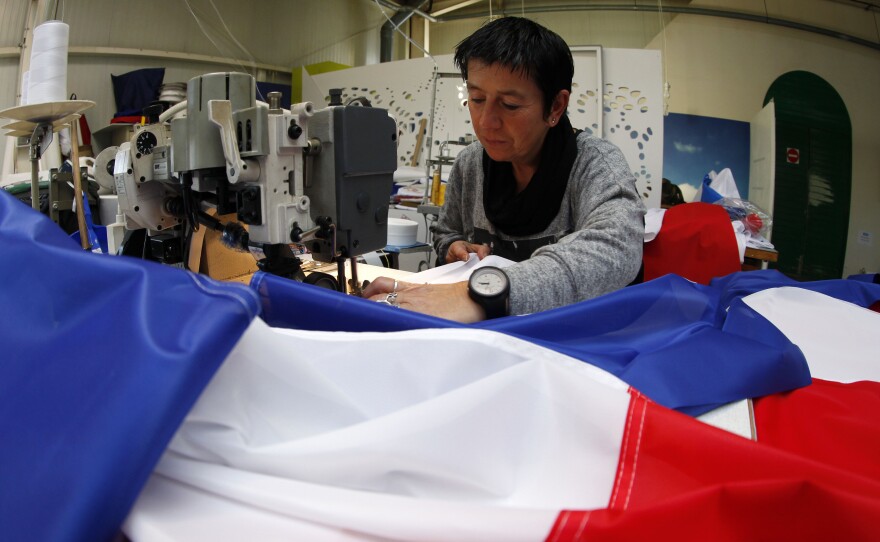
(521, 45)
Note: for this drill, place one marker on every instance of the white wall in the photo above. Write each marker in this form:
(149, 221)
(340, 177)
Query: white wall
(631, 81)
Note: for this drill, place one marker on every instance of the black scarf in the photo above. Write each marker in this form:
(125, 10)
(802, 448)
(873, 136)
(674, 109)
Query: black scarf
(532, 210)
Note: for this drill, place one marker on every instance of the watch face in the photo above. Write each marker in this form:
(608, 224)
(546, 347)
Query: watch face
(488, 282)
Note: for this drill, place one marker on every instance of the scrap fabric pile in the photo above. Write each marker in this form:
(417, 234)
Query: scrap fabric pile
(170, 406)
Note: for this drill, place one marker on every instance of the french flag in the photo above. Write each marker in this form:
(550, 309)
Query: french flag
(812, 473)
(464, 434)
(157, 402)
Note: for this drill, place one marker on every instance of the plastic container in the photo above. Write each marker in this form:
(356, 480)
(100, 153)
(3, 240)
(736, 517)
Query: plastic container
(436, 183)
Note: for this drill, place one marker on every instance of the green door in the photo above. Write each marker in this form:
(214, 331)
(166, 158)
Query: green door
(813, 177)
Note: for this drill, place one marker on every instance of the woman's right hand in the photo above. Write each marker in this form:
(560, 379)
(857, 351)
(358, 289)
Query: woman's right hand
(461, 251)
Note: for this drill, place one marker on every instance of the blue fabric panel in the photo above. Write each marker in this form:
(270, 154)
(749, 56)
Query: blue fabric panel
(866, 277)
(295, 305)
(664, 337)
(738, 285)
(709, 194)
(101, 357)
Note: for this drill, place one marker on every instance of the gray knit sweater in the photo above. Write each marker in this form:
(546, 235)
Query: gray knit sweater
(599, 230)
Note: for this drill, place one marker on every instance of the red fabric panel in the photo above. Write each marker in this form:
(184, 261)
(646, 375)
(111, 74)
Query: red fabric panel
(686, 480)
(830, 422)
(85, 134)
(127, 120)
(771, 510)
(696, 242)
(629, 451)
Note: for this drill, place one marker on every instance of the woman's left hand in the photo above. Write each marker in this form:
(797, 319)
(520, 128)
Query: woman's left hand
(450, 301)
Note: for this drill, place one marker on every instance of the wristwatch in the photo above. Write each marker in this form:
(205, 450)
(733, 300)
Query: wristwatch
(489, 287)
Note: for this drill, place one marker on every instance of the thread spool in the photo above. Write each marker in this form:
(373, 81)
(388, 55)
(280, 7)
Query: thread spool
(47, 77)
(435, 187)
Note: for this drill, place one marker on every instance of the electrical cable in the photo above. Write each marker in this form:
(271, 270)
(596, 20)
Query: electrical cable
(234, 57)
(876, 27)
(57, 4)
(231, 36)
(666, 85)
(205, 32)
(240, 46)
(427, 237)
(334, 43)
(187, 239)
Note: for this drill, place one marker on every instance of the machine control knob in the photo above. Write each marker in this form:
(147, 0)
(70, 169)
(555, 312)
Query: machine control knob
(146, 141)
(296, 233)
(294, 131)
(362, 202)
(152, 112)
(335, 96)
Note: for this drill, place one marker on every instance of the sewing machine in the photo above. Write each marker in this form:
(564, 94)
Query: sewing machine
(319, 178)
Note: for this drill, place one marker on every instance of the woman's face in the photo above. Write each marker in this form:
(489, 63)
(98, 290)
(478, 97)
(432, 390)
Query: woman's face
(507, 111)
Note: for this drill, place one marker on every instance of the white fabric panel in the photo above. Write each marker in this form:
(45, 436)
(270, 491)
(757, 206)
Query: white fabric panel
(722, 182)
(189, 500)
(457, 271)
(443, 434)
(172, 511)
(742, 238)
(840, 340)
(653, 223)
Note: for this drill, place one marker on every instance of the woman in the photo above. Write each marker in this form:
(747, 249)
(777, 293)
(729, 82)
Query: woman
(560, 203)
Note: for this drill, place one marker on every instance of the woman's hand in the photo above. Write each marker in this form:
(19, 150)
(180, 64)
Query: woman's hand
(450, 301)
(461, 251)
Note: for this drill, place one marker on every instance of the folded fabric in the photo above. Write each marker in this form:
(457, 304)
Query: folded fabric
(462, 434)
(136, 90)
(716, 186)
(127, 119)
(458, 271)
(102, 357)
(653, 223)
(666, 337)
(491, 432)
(696, 242)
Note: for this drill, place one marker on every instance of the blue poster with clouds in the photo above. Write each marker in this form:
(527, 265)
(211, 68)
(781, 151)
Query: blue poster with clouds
(694, 145)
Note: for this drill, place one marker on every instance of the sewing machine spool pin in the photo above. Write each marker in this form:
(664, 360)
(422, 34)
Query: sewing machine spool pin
(39, 142)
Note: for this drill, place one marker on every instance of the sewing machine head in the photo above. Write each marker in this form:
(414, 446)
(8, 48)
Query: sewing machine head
(316, 177)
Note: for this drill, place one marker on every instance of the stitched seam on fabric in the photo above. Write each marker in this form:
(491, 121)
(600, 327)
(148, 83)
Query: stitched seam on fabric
(636, 455)
(583, 525)
(558, 532)
(621, 467)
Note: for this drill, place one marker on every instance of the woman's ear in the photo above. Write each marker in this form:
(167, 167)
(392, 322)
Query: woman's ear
(560, 104)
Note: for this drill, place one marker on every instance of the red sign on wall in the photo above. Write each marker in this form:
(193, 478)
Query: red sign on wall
(792, 155)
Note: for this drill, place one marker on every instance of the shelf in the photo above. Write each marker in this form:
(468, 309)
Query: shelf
(428, 209)
(444, 161)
